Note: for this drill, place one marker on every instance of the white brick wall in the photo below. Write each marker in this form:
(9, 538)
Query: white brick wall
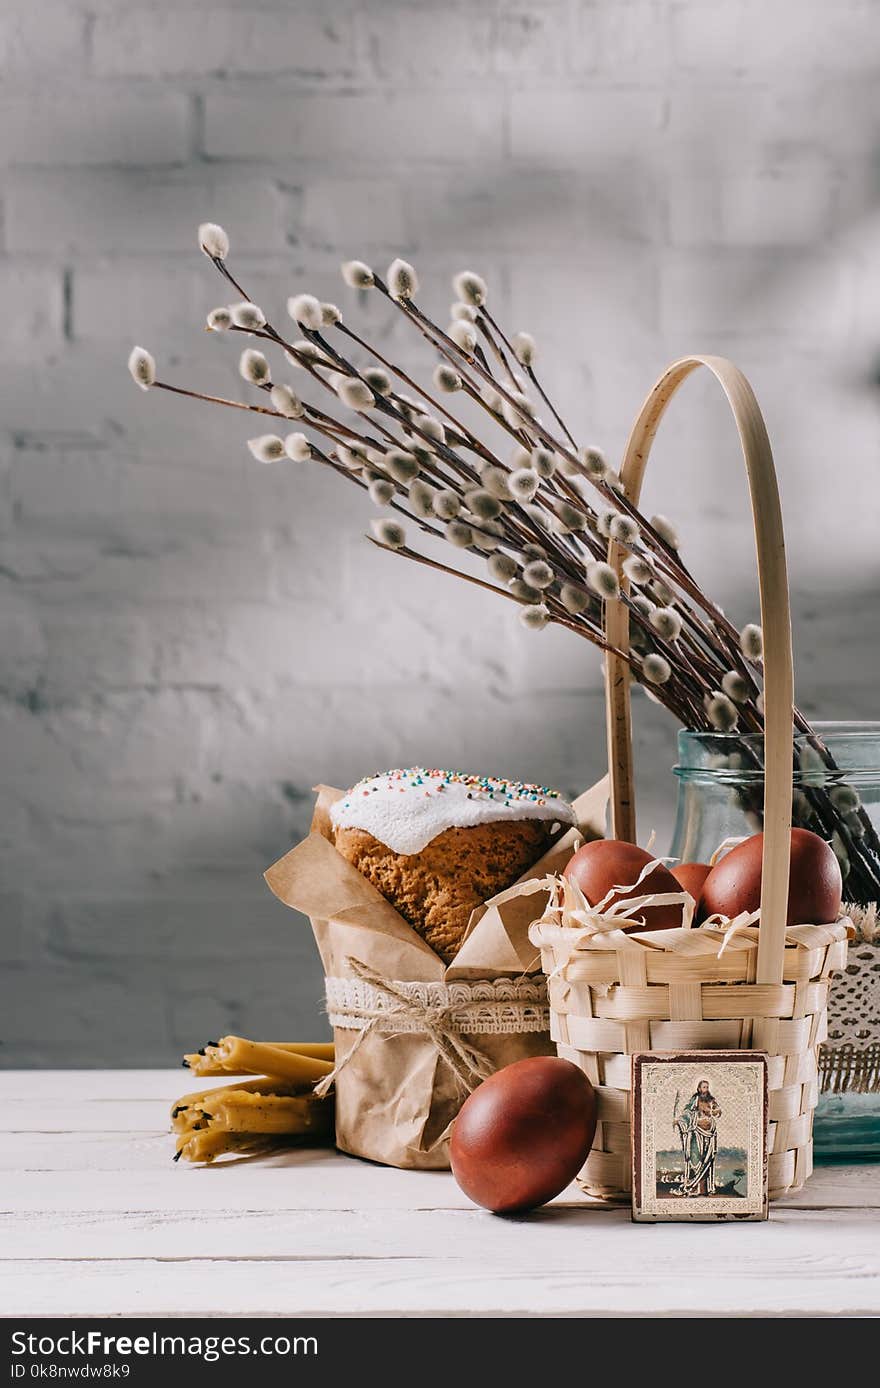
(103, 126)
(189, 642)
(357, 130)
(161, 40)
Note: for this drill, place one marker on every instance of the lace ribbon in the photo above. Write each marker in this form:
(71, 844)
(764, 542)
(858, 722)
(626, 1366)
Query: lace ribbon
(445, 1012)
(850, 1057)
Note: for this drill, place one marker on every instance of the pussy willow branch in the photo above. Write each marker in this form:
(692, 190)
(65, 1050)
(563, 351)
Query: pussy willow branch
(671, 562)
(530, 372)
(701, 650)
(320, 341)
(581, 625)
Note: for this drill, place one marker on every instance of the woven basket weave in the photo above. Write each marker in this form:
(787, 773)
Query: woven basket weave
(607, 1004)
(768, 990)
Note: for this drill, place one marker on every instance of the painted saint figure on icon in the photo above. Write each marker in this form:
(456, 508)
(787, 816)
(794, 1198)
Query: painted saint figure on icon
(698, 1133)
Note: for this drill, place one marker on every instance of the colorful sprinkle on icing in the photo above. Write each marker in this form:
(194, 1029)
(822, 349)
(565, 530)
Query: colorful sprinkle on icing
(438, 800)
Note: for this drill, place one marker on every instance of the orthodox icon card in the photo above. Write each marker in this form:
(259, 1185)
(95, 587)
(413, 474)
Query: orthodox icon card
(699, 1135)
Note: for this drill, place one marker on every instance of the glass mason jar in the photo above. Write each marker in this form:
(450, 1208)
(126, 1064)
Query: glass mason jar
(835, 793)
(721, 795)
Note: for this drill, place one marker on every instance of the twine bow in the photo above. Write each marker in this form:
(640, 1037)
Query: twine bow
(437, 1020)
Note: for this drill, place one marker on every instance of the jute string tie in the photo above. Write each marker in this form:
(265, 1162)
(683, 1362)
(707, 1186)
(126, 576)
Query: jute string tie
(438, 1020)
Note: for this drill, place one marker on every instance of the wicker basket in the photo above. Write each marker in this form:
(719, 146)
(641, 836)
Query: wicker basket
(656, 991)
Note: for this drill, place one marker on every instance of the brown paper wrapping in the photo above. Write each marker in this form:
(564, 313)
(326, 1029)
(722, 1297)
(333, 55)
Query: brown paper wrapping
(396, 1099)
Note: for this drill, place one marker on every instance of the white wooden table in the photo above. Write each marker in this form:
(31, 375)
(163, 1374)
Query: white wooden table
(97, 1220)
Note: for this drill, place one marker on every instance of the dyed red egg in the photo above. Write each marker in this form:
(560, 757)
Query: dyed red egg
(607, 863)
(524, 1134)
(691, 876)
(815, 888)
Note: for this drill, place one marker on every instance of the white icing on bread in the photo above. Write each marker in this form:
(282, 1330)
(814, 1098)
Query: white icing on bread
(406, 809)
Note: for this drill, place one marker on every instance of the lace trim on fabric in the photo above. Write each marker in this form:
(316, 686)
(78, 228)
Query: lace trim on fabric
(496, 1007)
(850, 1057)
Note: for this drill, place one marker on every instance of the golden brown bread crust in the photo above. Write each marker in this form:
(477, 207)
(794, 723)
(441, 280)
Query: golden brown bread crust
(437, 889)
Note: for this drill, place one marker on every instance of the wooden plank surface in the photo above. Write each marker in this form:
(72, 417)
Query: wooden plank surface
(802, 1283)
(96, 1219)
(98, 1173)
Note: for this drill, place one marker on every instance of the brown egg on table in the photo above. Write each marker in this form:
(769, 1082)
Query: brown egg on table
(597, 867)
(524, 1134)
(815, 888)
(691, 877)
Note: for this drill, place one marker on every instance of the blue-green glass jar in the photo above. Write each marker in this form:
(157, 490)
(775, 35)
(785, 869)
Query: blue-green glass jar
(836, 793)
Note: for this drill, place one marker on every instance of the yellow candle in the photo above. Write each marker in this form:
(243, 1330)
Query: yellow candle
(211, 1059)
(261, 1058)
(270, 1113)
(263, 1085)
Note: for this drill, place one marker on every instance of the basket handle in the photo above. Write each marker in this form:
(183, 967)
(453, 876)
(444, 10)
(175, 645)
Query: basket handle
(776, 622)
